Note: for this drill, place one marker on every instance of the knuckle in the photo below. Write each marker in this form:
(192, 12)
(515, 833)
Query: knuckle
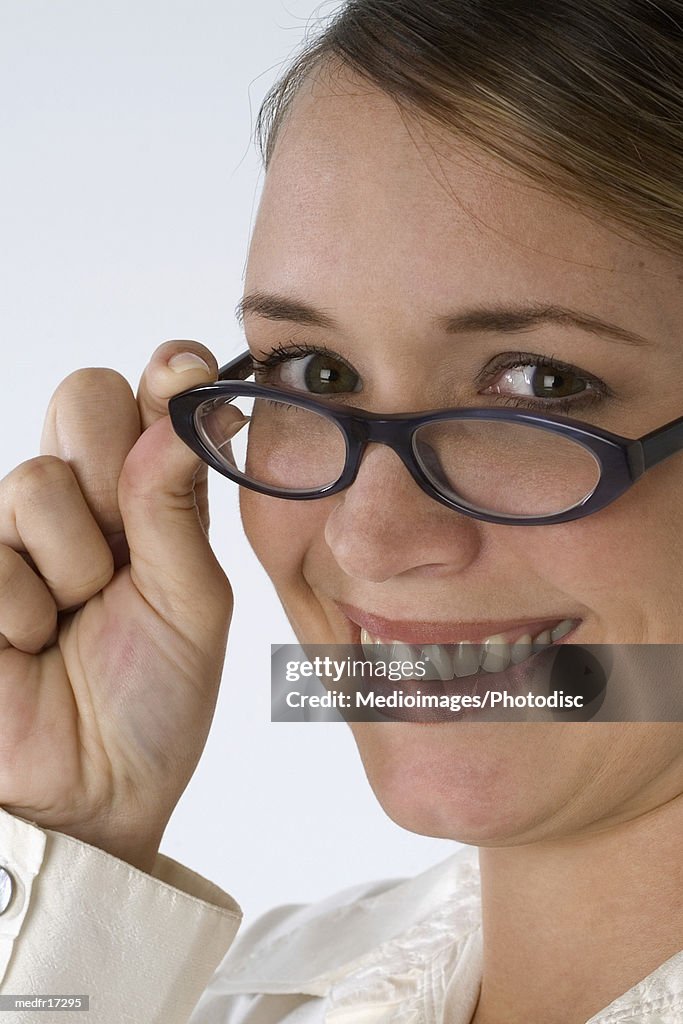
(91, 379)
(41, 480)
(88, 396)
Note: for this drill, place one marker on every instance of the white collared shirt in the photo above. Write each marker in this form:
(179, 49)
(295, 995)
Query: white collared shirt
(150, 948)
(408, 952)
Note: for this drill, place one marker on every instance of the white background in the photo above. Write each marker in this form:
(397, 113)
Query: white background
(128, 183)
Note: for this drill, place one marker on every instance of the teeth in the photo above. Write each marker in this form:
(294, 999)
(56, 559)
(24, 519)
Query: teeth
(542, 640)
(466, 658)
(495, 654)
(521, 649)
(373, 647)
(403, 652)
(442, 661)
(561, 630)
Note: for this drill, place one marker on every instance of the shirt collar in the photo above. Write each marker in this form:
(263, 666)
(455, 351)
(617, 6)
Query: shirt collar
(386, 947)
(309, 948)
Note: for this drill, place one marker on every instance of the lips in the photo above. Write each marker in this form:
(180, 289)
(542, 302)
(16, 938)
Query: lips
(422, 632)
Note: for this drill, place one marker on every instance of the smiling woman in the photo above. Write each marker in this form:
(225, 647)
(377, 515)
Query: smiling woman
(463, 314)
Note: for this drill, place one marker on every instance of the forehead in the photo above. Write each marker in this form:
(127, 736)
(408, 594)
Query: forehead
(363, 199)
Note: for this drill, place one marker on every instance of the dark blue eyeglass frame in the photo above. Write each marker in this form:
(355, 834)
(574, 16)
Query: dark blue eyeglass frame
(622, 460)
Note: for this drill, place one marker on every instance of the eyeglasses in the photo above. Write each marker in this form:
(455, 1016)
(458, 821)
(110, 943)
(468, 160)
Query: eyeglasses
(507, 466)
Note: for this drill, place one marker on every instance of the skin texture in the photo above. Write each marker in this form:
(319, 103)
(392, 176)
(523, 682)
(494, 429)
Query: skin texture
(385, 224)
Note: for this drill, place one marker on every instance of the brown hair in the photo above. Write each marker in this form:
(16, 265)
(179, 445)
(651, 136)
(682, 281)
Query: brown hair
(585, 96)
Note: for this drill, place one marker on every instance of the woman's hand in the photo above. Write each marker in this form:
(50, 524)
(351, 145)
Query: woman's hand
(114, 612)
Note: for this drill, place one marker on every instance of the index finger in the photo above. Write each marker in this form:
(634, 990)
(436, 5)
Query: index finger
(92, 422)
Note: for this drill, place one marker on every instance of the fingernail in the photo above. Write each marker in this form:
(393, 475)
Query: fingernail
(183, 361)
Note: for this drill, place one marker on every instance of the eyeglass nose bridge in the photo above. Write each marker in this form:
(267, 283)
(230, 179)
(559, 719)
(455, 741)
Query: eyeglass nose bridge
(394, 432)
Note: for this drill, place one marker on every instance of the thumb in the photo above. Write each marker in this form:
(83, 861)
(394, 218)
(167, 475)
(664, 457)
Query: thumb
(172, 564)
(173, 367)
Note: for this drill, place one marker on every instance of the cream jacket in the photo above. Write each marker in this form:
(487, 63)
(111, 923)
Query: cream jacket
(151, 949)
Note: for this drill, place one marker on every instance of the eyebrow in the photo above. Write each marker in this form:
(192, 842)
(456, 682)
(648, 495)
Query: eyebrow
(279, 307)
(500, 318)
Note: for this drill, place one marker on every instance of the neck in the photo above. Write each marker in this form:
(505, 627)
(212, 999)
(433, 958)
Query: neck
(571, 925)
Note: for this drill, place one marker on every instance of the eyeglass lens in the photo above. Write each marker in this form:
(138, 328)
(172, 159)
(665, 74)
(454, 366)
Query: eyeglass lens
(273, 443)
(490, 465)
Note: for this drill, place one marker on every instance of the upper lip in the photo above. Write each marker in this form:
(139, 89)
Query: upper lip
(420, 632)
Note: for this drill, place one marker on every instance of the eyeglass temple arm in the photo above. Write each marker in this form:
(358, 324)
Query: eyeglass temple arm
(659, 444)
(238, 368)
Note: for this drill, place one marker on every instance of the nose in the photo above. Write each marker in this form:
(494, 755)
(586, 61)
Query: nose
(384, 525)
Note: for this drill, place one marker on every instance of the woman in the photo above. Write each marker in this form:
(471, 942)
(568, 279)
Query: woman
(442, 179)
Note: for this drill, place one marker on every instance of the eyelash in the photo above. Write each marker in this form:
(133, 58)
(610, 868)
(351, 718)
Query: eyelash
(512, 360)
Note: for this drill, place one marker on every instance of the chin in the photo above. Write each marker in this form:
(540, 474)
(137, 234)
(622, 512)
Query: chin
(471, 782)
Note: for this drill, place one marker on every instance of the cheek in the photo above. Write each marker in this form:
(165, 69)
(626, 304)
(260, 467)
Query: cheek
(282, 533)
(625, 563)
(271, 531)
(288, 539)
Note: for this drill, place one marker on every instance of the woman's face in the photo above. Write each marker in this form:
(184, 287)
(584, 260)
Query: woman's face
(388, 228)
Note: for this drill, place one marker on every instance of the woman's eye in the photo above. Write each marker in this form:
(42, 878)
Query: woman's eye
(540, 380)
(318, 373)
